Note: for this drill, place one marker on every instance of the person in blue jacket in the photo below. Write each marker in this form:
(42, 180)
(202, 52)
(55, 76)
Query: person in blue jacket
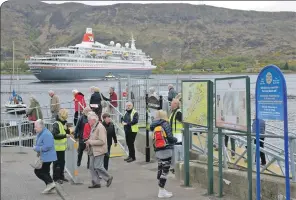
(44, 148)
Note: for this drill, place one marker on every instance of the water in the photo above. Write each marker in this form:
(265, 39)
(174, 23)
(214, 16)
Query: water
(29, 85)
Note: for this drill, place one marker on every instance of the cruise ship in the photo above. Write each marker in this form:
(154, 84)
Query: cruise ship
(90, 60)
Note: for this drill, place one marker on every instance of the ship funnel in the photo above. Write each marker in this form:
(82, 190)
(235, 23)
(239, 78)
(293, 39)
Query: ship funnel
(88, 37)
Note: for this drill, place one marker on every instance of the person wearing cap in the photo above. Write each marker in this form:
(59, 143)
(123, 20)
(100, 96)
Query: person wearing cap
(111, 135)
(79, 104)
(113, 103)
(54, 104)
(172, 93)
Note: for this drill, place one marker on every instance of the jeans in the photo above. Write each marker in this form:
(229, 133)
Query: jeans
(178, 155)
(44, 173)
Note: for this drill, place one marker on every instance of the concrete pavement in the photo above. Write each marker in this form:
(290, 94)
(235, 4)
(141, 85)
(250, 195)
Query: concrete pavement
(132, 181)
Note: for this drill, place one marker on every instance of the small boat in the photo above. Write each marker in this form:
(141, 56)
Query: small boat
(110, 76)
(15, 105)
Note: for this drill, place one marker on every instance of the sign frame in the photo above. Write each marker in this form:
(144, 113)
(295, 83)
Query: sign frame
(276, 70)
(207, 97)
(248, 102)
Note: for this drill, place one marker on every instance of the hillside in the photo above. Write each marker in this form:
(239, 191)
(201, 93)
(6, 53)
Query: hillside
(176, 35)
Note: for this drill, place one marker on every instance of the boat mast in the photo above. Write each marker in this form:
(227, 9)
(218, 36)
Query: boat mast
(13, 62)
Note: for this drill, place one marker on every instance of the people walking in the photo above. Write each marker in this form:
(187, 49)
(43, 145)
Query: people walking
(78, 134)
(96, 102)
(114, 103)
(172, 93)
(79, 104)
(131, 128)
(34, 112)
(97, 148)
(60, 132)
(176, 125)
(45, 149)
(111, 135)
(163, 147)
(261, 142)
(54, 104)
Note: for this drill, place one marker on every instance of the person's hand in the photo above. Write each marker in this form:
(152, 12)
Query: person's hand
(115, 144)
(87, 142)
(68, 135)
(34, 148)
(124, 123)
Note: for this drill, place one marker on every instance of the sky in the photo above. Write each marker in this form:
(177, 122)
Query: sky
(239, 5)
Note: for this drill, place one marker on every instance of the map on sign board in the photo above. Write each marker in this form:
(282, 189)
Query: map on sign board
(270, 94)
(195, 103)
(231, 106)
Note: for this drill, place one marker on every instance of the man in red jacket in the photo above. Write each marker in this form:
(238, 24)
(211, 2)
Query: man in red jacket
(114, 104)
(79, 104)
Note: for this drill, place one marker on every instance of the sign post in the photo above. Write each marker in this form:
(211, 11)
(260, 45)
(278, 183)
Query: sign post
(197, 109)
(271, 104)
(233, 112)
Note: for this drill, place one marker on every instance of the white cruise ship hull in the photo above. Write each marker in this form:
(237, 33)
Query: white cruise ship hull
(47, 74)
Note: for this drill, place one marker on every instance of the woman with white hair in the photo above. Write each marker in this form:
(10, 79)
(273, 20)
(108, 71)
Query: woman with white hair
(97, 148)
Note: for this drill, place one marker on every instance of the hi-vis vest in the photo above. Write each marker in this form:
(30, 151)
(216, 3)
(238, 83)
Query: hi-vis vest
(135, 127)
(176, 125)
(61, 145)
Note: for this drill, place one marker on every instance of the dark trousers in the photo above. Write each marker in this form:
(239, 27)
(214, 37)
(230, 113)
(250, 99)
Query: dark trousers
(163, 170)
(98, 111)
(130, 138)
(81, 148)
(76, 117)
(262, 154)
(232, 143)
(59, 166)
(106, 158)
(44, 173)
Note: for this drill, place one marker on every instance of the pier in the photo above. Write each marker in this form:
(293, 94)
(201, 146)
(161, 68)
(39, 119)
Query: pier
(138, 179)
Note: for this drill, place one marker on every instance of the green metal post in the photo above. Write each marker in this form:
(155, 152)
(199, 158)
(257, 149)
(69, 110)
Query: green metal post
(186, 155)
(249, 140)
(220, 141)
(210, 140)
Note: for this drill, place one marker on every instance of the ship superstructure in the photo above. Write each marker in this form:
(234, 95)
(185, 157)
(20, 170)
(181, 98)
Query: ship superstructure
(90, 60)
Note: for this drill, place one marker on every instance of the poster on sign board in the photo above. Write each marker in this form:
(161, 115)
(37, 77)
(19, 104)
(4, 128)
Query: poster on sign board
(231, 105)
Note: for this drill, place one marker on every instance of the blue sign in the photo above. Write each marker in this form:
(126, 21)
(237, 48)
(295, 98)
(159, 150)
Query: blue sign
(269, 94)
(271, 104)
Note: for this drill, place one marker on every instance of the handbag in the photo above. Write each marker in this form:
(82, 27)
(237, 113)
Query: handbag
(103, 102)
(38, 162)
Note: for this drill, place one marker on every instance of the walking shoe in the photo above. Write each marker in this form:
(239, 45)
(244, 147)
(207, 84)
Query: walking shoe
(172, 171)
(95, 186)
(78, 164)
(131, 160)
(64, 179)
(127, 158)
(109, 181)
(162, 193)
(59, 181)
(48, 188)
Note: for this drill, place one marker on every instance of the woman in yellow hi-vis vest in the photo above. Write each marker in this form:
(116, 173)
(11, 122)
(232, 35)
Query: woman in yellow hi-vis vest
(60, 133)
(177, 126)
(131, 128)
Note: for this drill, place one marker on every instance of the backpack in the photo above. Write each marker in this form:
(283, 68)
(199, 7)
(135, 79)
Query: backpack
(159, 138)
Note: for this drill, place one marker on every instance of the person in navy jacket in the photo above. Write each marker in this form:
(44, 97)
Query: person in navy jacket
(44, 148)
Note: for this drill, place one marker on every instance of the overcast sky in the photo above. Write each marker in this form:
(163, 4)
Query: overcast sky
(240, 5)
